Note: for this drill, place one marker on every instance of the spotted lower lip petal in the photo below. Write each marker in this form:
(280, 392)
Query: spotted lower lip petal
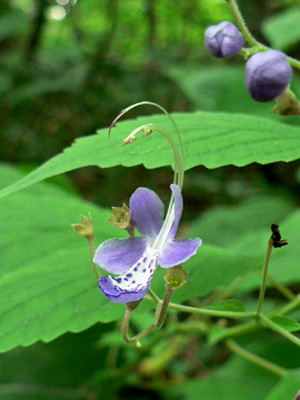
(134, 283)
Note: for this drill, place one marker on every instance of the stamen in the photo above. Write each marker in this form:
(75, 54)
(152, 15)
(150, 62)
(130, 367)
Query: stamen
(148, 129)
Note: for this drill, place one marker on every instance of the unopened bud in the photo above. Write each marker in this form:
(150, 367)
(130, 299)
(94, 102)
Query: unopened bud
(223, 40)
(175, 277)
(267, 75)
(86, 228)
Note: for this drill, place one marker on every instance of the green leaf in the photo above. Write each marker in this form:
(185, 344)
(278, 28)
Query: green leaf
(218, 88)
(284, 265)
(228, 305)
(222, 225)
(46, 279)
(236, 380)
(288, 324)
(287, 388)
(244, 230)
(209, 139)
(282, 30)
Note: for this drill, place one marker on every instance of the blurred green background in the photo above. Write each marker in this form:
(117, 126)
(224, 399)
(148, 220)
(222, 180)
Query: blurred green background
(67, 68)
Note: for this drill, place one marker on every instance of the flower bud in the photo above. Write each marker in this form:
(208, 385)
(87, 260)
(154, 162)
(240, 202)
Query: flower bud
(267, 75)
(175, 277)
(86, 228)
(223, 40)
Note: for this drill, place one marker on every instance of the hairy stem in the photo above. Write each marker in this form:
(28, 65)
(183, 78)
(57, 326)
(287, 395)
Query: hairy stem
(242, 24)
(164, 308)
(125, 326)
(248, 35)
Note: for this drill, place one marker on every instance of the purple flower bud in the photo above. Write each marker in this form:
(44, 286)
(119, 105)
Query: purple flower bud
(223, 40)
(267, 75)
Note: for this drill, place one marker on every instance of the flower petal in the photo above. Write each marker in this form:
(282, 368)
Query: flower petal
(118, 255)
(178, 209)
(146, 212)
(135, 283)
(178, 251)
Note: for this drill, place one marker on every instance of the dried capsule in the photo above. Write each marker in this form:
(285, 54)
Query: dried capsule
(223, 40)
(267, 75)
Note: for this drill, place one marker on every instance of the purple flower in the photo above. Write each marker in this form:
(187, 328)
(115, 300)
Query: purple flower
(223, 40)
(135, 259)
(267, 75)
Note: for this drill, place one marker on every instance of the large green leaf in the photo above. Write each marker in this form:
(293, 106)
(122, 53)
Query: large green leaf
(282, 30)
(219, 87)
(210, 139)
(236, 380)
(47, 284)
(287, 388)
(244, 231)
(285, 262)
(223, 225)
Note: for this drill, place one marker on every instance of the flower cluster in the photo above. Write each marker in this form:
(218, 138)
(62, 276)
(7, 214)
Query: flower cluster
(268, 73)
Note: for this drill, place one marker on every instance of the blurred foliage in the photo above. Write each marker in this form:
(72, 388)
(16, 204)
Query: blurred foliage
(67, 68)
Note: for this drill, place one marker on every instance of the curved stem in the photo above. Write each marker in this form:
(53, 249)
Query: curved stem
(248, 35)
(242, 24)
(235, 348)
(125, 326)
(154, 296)
(179, 162)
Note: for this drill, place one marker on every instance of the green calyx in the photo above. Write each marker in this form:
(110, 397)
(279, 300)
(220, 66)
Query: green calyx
(175, 277)
(121, 218)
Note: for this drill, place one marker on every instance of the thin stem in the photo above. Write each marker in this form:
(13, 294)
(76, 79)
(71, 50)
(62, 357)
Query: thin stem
(248, 35)
(294, 304)
(264, 277)
(272, 325)
(92, 251)
(240, 329)
(212, 313)
(154, 296)
(281, 289)
(205, 311)
(164, 308)
(125, 326)
(242, 24)
(235, 348)
(179, 162)
(252, 325)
